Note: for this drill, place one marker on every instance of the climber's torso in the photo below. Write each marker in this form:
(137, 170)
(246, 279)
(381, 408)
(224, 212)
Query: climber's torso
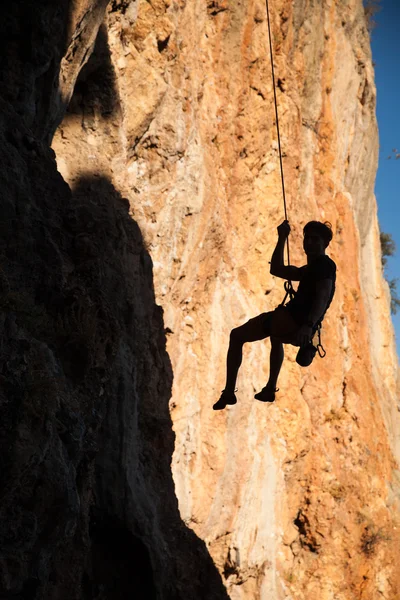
(319, 269)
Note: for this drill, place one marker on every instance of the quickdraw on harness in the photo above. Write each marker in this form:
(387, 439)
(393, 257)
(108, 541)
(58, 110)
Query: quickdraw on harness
(290, 291)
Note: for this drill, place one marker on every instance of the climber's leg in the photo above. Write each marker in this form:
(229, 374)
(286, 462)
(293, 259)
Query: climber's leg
(275, 362)
(283, 331)
(252, 331)
(255, 329)
(267, 394)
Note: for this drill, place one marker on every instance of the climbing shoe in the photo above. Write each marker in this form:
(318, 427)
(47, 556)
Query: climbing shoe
(305, 355)
(226, 398)
(267, 394)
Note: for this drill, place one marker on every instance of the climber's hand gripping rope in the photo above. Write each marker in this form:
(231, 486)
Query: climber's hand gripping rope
(284, 229)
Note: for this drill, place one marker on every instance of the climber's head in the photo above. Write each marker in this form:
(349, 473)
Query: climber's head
(317, 236)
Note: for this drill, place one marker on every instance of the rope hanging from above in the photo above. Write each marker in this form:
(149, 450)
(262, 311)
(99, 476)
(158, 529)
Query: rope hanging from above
(288, 284)
(276, 110)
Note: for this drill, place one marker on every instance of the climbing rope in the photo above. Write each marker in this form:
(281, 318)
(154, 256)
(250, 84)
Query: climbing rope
(276, 110)
(288, 284)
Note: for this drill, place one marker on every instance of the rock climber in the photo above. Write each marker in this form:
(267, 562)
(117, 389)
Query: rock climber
(297, 321)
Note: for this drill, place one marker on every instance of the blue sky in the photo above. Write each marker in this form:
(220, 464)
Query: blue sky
(385, 51)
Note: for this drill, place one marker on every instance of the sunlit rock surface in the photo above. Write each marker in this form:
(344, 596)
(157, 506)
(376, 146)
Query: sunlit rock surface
(171, 118)
(88, 508)
(299, 499)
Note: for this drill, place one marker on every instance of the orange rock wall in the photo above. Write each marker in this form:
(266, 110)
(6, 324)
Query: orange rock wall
(299, 499)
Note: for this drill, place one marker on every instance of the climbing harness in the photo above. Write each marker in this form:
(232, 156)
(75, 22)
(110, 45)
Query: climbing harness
(289, 290)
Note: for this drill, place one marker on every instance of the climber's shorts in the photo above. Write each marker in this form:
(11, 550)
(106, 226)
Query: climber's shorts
(283, 326)
(277, 323)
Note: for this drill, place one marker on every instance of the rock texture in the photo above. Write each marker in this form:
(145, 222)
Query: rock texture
(165, 230)
(85, 376)
(300, 499)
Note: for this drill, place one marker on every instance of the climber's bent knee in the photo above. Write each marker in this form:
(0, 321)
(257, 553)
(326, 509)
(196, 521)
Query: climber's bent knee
(255, 329)
(235, 336)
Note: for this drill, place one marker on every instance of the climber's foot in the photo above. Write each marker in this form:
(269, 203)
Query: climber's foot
(267, 394)
(226, 398)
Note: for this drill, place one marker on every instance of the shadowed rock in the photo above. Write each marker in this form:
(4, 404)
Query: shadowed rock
(87, 502)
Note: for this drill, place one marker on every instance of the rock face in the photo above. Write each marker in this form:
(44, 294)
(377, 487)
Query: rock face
(85, 376)
(118, 479)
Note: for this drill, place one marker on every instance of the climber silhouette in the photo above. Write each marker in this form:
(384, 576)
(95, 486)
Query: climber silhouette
(297, 321)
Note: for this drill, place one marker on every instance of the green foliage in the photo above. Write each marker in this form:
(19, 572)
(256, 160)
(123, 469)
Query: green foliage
(371, 7)
(388, 248)
(394, 298)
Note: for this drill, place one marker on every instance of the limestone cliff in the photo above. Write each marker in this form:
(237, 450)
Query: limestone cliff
(169, 150)
(84, 373)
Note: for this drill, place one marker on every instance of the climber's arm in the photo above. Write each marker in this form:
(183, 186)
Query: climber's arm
(323, 290)
(289, 273)
(278, 267)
